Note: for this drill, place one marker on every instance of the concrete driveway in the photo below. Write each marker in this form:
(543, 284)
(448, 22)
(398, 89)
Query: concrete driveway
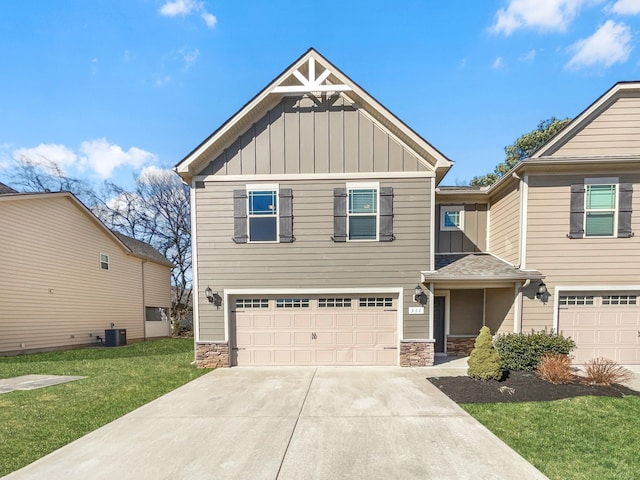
(291, 423)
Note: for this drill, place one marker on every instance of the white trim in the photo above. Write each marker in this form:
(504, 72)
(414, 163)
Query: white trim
(350, 186)
(311, 176)
(194, 265)
(584, 288)
(452, 208)
(488, 234)
(517, 308)
(432, 228)
(268, 187)
(524, 213)
(106, 262)
(484, 307)
(602, 181)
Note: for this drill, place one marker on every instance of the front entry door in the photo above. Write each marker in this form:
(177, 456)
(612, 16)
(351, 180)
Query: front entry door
(438, 323)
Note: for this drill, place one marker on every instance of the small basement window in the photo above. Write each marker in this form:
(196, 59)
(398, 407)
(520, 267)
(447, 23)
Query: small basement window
(104, 261)
(156, 314)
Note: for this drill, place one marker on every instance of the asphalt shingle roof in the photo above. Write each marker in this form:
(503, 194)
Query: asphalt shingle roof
(143, 249)
(476, 266)
(4, 189)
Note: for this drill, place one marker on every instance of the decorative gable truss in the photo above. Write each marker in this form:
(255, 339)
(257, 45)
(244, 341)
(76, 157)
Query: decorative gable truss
(309, 82)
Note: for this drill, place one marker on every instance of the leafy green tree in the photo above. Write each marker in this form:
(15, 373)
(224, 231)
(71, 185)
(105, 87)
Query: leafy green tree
(523, 148)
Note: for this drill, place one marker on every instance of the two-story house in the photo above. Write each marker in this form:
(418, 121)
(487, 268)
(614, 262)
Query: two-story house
(321, 235)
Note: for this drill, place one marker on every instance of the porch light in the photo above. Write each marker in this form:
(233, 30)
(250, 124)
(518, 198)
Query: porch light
(420, 297)
(542, 291)
(213, 297)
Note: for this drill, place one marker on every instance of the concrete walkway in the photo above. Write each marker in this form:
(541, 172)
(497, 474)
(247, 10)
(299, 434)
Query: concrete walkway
(291, 423)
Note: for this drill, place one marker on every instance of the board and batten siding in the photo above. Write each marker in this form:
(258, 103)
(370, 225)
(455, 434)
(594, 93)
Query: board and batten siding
(300, 135)
(580, 261)
(53, 292)
(504, 225)
(313, 260)
(472, 238)
(616, 131)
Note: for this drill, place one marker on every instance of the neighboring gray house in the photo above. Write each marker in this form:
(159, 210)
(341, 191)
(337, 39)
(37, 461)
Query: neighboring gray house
(322, 236)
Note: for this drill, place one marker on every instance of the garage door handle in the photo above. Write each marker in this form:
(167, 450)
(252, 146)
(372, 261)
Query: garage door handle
(638, 333)
(389, 348)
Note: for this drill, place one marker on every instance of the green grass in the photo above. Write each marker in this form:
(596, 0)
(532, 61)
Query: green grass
(573, 439)
(119, 380)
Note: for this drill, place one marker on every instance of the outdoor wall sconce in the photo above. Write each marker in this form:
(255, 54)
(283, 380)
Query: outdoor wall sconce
(420, 297)
(542, 293)
(213, 297)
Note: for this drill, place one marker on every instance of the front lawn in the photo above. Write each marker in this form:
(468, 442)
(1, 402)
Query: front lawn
(571, 439)
(36, 422)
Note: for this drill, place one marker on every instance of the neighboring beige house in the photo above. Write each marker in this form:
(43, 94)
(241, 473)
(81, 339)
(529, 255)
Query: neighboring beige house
(322, 236)
(65, 277)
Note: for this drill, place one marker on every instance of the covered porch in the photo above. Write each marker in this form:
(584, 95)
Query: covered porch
(471, 290)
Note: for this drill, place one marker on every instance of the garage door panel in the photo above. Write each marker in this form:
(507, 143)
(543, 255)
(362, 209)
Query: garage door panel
(606, 327)
(332, 332)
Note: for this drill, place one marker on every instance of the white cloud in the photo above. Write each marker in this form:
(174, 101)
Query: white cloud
(189, 56)
(151, 173)
(498, 63)
(103, 157)
(46, 154)
(610, 44)
(546, 15)
(181, 8)
(625, 7)
(162, 81)
(530, 56)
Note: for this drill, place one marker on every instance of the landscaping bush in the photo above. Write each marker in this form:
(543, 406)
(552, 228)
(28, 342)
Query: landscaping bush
(602, 371)
(555, 368)
(484, 362)
(522, 351)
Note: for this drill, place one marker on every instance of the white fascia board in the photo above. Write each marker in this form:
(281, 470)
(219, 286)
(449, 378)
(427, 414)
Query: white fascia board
(302, 89)
(524, 212)
(312, 176)
(194, 264)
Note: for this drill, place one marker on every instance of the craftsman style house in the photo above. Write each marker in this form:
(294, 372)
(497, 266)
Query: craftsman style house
(322, 236)
(65, 277)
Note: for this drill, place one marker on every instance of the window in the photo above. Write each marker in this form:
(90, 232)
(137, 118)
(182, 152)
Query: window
(376, 302)
(334, 303)
(576, 300)
(104, 261)
(451, 218)
(263, 213)
(292, 303)
(252, 303)
(600, 210)
(619, 299)
(362, 212)
(156, 314)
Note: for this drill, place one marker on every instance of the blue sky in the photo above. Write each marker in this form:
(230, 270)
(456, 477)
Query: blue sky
(109, 87)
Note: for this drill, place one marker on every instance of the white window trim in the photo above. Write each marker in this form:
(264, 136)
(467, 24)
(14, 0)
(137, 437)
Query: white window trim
(364, 186)
(252, 187)
(107, 262)
(452, 208)
(602, 181)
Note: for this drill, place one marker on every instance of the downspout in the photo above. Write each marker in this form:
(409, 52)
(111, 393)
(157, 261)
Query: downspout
(194, 270)
(522, 253)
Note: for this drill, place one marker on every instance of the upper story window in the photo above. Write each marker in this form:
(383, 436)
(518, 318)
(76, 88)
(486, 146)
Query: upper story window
(601, 207)
(362, 211)
(600, 210)
(263, 213)
(104, 261)
(452, 217)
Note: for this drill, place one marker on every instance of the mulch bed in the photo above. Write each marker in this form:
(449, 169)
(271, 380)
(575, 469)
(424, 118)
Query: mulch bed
(520, 387)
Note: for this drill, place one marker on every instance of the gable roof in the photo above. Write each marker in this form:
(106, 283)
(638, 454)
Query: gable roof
(130, 245)
(476, 267)
(297, 79)
(4, 189)
(619, 90)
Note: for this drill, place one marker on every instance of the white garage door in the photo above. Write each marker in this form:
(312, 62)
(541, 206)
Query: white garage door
(603, 324)
(314, 330)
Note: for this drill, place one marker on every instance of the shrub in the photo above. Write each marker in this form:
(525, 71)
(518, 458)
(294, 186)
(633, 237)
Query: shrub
(602, 371)
(555, 368)
(522, 351)
(484, 361)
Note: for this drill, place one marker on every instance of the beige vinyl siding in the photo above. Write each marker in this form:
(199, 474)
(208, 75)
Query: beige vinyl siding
(504, 225)
(473, 237)
(574, 262)
(499, 309)
(616, 131)
(299, 135)
(157, 285)
(313, 260)
(52, 290)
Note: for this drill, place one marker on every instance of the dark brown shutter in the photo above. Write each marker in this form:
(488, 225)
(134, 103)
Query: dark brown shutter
(576, 217)
(240, 216)
(339, 215)
(386, 215)
(625, 195)
(285, 200)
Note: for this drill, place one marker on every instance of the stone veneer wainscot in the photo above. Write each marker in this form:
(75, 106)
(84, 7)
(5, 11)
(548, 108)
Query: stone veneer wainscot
(416, 353)
(212, 355)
